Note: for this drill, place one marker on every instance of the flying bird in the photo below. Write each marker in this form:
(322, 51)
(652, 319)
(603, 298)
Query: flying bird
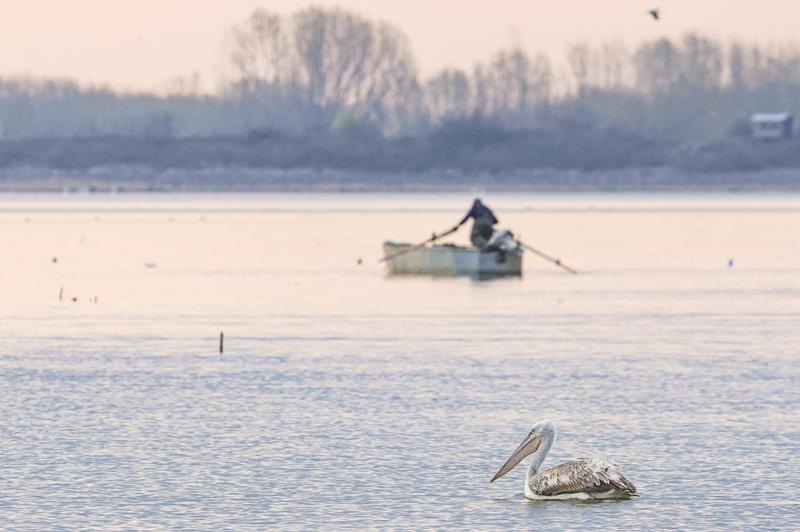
(654, 13)
(584, 478)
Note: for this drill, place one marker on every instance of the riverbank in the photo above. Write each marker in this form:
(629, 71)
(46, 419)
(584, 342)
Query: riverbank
(140, 178)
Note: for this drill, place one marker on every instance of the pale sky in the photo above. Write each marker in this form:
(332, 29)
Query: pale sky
(140, 44)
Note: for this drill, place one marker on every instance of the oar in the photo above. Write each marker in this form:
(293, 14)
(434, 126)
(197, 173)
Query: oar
(557, 262)
(434, 238)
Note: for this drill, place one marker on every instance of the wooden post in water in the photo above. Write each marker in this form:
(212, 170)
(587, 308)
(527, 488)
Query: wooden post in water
(61, 294)
(221, 340)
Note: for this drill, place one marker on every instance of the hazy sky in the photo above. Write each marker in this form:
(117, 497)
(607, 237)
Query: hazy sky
(140, 44)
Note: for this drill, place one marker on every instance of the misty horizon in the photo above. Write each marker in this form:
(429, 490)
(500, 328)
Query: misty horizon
(330, 89)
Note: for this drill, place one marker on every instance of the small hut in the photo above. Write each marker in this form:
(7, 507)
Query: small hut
(772, 126)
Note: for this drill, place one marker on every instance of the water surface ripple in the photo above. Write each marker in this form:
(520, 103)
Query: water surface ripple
(348, 399)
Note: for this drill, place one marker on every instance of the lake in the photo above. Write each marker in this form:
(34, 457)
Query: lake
(348, 398)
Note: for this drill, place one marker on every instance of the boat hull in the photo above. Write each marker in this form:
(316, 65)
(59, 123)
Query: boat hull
(451, 260)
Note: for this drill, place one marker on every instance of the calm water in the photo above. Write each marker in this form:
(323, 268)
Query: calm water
(347, 398)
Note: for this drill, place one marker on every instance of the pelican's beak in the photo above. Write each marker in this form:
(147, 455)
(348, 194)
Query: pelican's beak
(529, 445)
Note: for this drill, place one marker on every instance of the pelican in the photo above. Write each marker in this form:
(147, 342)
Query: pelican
(584, 478)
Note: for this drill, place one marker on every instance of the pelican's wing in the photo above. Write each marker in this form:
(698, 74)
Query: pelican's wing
(587, 475)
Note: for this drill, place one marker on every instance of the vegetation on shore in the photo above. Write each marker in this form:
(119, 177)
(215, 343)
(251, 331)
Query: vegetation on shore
(329, 89)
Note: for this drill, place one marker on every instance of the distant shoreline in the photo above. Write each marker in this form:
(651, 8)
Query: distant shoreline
(138, 179)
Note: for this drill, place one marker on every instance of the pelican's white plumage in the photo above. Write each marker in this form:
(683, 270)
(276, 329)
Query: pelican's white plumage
(584, 478)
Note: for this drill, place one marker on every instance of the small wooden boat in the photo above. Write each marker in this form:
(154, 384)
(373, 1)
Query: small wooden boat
(501, 259)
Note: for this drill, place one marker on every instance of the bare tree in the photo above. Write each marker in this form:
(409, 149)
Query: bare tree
(701, 63)
(448, 96)
(613, 65)
(511, 85)
(190, 86)
(346, 61)
(737, 66)
(657, 66)
(605, 67)
(339, 62)
(578, 61)
(261, 54)
(259, 49)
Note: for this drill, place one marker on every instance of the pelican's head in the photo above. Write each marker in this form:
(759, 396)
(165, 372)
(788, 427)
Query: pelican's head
(543, 430)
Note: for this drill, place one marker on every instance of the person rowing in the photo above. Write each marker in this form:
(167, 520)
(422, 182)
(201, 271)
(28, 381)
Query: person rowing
(483, 223)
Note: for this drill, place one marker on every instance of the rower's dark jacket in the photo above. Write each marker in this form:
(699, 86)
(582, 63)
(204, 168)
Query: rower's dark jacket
(482, 227)
(479, 211)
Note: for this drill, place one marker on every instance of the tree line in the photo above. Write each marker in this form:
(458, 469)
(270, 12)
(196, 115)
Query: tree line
(321, 73)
